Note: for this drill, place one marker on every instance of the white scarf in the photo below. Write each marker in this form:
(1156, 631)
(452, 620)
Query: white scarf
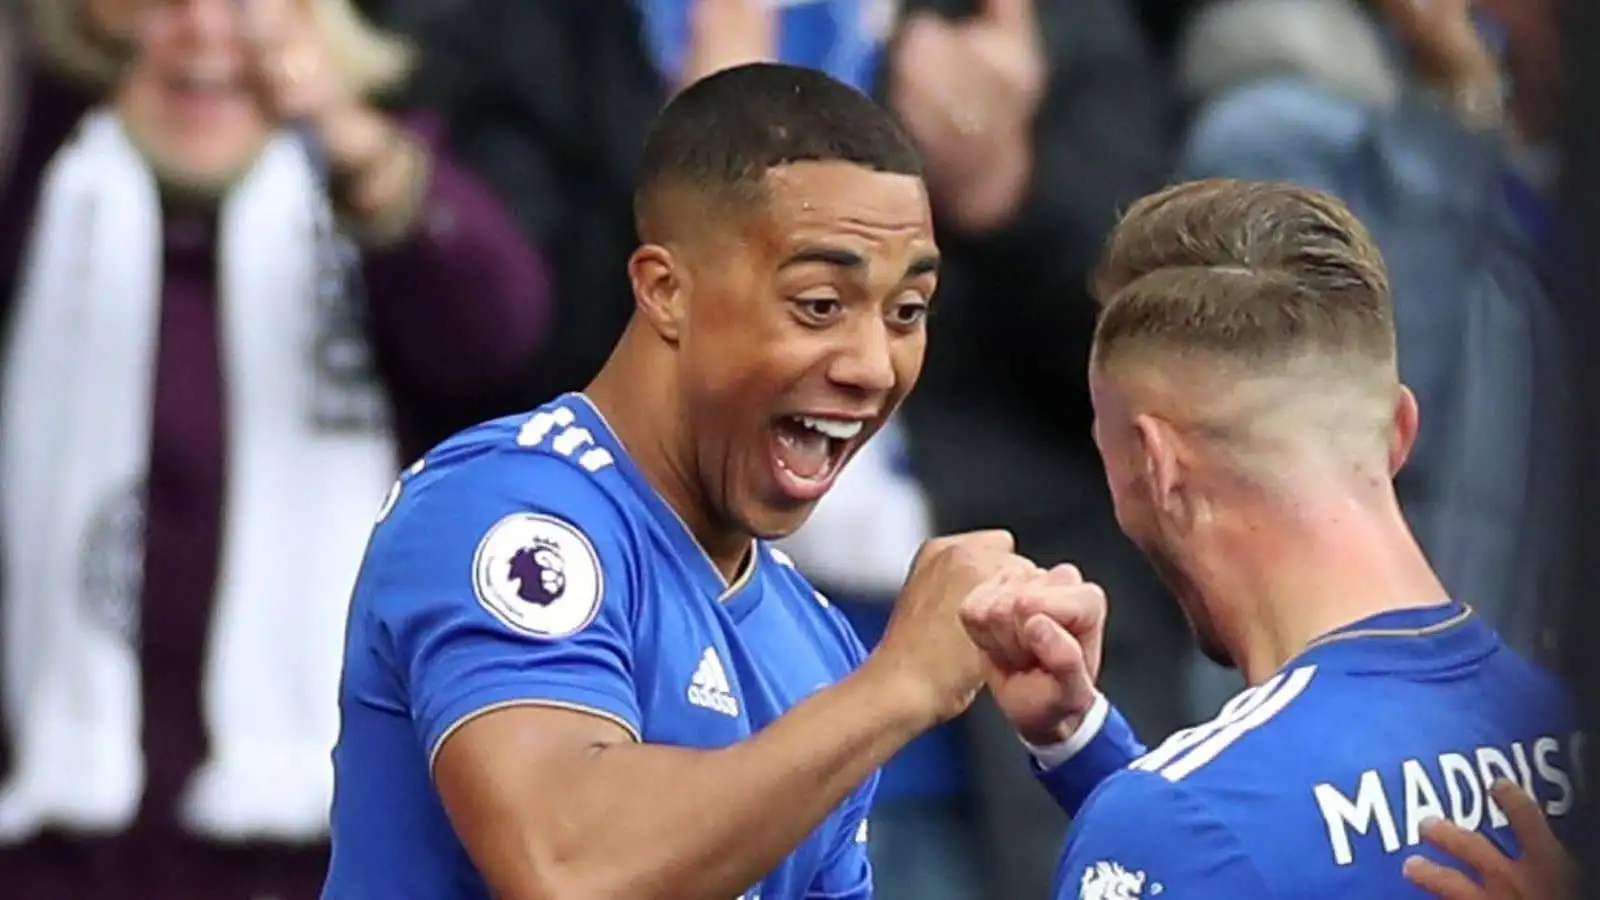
(75, 421)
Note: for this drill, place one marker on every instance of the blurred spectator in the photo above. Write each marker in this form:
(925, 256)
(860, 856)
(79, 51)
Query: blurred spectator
(196, 435)
(1037, 126)
(857, 547)
(1450, 171)
(1074, 125)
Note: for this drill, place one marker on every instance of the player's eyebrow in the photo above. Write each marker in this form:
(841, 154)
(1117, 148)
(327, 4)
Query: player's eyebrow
(831, 256)
(849, 259)
(923, 265)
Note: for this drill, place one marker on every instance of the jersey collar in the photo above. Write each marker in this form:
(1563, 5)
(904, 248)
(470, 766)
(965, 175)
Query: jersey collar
(1428, 638)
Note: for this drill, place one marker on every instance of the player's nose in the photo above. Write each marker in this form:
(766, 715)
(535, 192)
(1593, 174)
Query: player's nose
(864, 361)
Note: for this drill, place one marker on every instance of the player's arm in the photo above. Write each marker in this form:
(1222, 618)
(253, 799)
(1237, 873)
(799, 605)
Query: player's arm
(529, 717)
(1141, 835)
(1042, 638)
(846, 872)
(1102, 745)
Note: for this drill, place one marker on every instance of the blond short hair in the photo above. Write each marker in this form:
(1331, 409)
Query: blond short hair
(1271, 293)
(372, 60)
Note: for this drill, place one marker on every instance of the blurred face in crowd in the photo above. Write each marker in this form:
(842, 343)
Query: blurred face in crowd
(189, 99)
(803, 328)
(1154, 483)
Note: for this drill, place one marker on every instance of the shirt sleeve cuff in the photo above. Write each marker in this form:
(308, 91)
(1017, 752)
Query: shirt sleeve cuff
(1053, 755)
(1102, 746)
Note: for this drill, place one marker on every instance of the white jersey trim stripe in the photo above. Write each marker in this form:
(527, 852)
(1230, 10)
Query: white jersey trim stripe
(1242, 705)
(1280, 699)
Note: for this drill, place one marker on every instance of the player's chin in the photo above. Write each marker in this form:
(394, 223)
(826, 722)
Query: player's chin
(781, 499)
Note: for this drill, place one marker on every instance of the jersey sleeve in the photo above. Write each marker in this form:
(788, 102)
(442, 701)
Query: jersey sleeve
(1103, 745)
(507, 582)
(846, 872)
(1140, 835)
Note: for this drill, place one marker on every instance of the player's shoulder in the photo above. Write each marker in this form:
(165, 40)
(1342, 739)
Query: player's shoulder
(504, 513)
(1139, 833)
(1283, 718)
(550, 460)
(831, 629)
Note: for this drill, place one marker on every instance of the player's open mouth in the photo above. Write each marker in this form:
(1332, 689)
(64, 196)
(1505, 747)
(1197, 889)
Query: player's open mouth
(809, 451)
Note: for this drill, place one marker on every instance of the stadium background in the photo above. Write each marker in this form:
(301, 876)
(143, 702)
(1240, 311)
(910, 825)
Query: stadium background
(531, 115)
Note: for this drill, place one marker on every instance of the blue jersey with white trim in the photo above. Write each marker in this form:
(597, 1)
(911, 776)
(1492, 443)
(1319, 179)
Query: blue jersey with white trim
(527, 561)
(1314, 784)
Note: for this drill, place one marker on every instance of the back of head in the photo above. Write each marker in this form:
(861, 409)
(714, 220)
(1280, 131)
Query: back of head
(1256, 315)
(716, 141)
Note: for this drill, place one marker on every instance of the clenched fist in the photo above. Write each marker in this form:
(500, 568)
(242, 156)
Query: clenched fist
(1041, 633)
(925, 643)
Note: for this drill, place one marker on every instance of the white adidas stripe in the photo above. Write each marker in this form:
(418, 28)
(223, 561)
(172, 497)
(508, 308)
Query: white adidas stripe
(1244, 703)
(1284, 692)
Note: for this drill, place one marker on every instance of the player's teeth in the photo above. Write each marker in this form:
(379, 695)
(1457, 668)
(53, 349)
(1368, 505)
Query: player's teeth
(838, 429)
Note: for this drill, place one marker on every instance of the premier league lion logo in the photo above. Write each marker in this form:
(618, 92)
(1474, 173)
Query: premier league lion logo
(540, 572)
(539, 575)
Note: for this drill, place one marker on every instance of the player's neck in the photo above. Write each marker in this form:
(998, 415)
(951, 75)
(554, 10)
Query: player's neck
(642, 410)
(1290, 579)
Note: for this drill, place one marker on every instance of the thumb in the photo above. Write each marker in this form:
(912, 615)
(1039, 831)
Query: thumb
(1058, 652)
(1016, 16)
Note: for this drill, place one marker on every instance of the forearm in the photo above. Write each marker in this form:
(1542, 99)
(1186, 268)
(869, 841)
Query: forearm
(649, 821)
(377, 173)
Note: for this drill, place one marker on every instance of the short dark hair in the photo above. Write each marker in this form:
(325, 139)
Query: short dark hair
(723, 133)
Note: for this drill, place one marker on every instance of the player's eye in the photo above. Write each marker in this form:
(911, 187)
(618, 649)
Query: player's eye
(818, 310)
(908, 313)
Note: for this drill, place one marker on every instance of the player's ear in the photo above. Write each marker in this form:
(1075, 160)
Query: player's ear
(1158, 454)
(1404, 435)
(659, 290)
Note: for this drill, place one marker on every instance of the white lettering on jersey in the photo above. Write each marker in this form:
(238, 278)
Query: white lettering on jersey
(1110, 881)
(1456, 788)
(1343, 815)
(709, 687)
(538, 575)
(565, 437)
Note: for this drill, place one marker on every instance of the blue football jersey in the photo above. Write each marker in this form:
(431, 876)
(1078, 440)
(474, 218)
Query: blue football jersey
(527, 561)
(1314, 784)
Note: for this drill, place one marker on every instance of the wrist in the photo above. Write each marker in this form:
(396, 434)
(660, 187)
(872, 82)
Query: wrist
(1056, 746)
(904, 700)
(355, 139)
(986, 199)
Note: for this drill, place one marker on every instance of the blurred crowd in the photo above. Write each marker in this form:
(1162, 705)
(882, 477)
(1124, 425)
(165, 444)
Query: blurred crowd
(260, 254)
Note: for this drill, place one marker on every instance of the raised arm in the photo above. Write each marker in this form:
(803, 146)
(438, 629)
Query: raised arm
(530, 718)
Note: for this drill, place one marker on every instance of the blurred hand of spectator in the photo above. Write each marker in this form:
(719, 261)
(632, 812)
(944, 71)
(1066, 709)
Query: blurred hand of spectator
(1444, 43)
(375, 170)
(1450, 55)
(968, 91)
(728, 33)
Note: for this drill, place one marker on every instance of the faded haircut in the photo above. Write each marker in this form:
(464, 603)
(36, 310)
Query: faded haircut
(1268, 301)
(718, 139)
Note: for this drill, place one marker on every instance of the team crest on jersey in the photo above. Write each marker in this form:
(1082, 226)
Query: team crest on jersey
(538, 575)
(1110, 881)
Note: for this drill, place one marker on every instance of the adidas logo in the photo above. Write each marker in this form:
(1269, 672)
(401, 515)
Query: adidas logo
(709, 688)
